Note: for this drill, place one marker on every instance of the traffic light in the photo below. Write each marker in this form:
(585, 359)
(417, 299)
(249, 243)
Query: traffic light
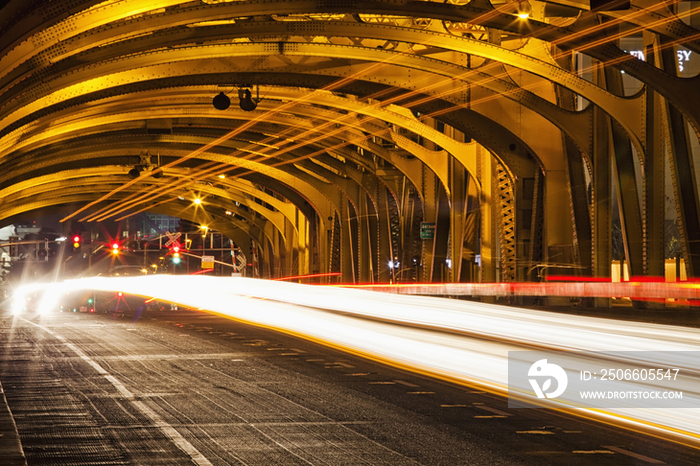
(176, 254)
(115, 248)
(76, 242)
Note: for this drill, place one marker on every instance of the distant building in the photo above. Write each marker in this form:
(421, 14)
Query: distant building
(157, 224)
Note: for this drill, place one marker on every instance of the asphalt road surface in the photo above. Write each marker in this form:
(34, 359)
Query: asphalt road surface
(188, 387)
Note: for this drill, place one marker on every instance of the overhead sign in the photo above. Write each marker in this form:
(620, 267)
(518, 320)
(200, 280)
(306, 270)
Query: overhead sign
(427, 230)
(207, 262)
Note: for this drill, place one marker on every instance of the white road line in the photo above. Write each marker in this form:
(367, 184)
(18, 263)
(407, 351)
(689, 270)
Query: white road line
(493, 410)
(181, 442)
(634, 455)
(344, 365)
(408, 384)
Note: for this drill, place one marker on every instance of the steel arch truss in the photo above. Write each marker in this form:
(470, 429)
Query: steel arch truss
(390, 141)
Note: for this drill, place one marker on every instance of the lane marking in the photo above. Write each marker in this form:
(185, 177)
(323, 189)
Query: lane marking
(593, 452)
(382, 382)
(181, 442)
(493, 410)
(535, 432)
(408, 384)
(490, 417)
(453, 406)
(634, 455)
(421, 393)
(344, 365)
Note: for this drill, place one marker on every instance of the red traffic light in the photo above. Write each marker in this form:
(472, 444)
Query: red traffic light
(115, 245)
(76, 239)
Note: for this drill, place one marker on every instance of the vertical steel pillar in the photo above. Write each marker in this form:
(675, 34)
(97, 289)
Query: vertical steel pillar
(602, 208)
(506, 222)
(578, 189)
(442, 237)
(683, 175)
(654, 176)
(627, 192)
(430, 209)
(348, 248)
(365, 262)
(384, 247)
(459, 180)
(488, 220)
(291, 252)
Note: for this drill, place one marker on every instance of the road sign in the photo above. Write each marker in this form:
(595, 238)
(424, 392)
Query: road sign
(427, 230)
(207, 262)
(172, 239)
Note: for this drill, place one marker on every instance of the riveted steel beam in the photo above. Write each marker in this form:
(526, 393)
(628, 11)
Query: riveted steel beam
(685, 185)
(602, 201)
(654, 176)
(627, 192)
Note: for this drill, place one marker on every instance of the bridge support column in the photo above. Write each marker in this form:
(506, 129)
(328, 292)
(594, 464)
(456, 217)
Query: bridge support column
(627, 193)
(602, 201)
(489, 230)
(348, 248)
(430, 208)
(459, 181)
(384, 246)
(367, 241)
(654, 177)
(683, 176)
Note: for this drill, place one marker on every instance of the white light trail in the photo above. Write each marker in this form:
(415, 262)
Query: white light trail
(461, 341)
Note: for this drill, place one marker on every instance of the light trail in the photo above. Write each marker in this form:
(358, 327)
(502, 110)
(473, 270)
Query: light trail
(460, 341)
(600, 288)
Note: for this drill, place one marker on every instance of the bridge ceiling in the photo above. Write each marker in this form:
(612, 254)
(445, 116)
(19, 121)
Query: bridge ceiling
(90, 90)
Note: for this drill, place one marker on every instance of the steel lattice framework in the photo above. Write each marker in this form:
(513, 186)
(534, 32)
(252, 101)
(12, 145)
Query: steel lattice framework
(507, 125)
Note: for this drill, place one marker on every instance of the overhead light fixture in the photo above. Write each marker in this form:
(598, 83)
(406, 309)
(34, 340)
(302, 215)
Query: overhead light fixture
(134, 173)
(221, 101)
(524, 10)
(247, 102)
(197, 201)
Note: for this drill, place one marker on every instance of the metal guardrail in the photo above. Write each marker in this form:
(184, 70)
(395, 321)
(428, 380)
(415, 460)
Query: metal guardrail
(632, 289)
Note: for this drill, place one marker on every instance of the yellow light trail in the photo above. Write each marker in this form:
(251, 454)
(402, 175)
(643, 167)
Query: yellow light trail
(459, 341)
